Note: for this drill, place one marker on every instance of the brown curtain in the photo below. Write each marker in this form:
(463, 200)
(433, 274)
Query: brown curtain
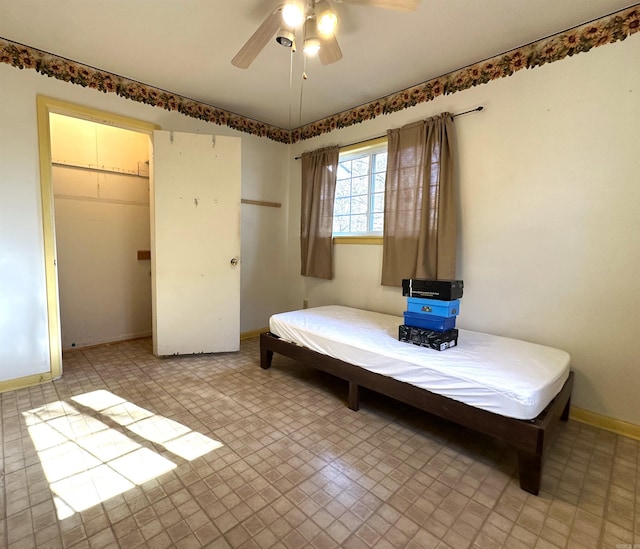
(419, 208)
(319, 173)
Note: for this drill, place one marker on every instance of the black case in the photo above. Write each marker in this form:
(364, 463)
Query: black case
(428, 338)
(444, 290)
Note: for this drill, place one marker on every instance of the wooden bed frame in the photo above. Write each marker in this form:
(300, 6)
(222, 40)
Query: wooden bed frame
(529, 437)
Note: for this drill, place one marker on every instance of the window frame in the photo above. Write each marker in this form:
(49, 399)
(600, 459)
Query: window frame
(367, 148)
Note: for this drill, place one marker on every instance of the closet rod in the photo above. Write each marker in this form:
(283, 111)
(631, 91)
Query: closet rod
(477, 109)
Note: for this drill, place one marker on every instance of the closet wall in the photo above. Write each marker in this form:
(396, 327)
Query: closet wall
(101, 200)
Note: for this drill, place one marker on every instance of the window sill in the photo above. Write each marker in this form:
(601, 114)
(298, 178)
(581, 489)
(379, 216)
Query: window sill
(357, 240)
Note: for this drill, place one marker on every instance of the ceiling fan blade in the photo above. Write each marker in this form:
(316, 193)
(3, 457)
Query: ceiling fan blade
(400, 5)
(329, 51)
(258, 40)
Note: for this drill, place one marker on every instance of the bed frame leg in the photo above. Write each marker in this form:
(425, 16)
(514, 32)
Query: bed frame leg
(565, 413)
(530, 471)
(265, 358)
(354, 396)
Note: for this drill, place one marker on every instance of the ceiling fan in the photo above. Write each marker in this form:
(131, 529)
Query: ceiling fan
(318, 22)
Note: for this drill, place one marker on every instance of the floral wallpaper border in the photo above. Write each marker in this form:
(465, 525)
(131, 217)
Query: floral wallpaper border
(606, 30)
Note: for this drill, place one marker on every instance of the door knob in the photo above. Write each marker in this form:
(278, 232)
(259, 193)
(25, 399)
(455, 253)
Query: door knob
(234, 261)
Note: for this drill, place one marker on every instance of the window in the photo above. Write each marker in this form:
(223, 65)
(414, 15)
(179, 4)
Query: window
(359, 201)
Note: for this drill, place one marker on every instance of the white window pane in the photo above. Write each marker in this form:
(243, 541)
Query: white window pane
(380, 162)
(360, 185)
(359, 223)
(359, 204)
(378, 183)
(377, 222)
(343, 188)
(341, 223)
(378, 202)
(360, 166)
(342, 206)
(344, 170)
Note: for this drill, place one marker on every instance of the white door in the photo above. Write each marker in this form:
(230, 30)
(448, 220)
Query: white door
(195, 243)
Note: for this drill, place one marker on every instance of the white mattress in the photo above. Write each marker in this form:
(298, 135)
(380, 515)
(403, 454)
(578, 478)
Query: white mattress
(506, 376)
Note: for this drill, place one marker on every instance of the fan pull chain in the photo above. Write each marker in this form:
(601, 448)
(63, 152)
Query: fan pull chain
(291, 87)
(304, 77)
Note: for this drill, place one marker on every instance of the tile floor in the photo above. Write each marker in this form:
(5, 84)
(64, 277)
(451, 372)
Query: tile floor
(127, 450)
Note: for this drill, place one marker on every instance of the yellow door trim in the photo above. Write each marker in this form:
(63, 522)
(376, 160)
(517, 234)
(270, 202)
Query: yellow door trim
(45, 106)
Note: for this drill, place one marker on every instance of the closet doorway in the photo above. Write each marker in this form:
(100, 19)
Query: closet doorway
(100, 183)
(193, 196)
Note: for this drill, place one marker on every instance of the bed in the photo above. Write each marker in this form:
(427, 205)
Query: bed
(510, 389)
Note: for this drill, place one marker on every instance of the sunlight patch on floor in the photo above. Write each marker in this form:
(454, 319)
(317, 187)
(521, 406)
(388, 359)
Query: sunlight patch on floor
(87, 462)
(174, 436)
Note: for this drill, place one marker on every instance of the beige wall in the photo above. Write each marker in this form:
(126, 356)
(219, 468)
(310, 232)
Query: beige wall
(549, 227)
(548, 245)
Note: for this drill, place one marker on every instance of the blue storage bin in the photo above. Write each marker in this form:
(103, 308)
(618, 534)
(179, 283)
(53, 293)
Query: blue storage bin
(429, 322)
(433, 306)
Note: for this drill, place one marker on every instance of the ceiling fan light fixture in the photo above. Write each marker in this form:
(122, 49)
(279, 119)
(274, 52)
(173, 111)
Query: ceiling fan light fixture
(311, 46)
(327, 24)
(292, 15)
(285, 38)
(327, 19)
(311, 40)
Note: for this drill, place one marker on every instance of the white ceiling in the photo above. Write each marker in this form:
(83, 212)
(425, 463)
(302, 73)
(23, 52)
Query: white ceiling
(186, 46)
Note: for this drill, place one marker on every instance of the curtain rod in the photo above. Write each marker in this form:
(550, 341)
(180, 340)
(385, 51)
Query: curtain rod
(477, 109)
